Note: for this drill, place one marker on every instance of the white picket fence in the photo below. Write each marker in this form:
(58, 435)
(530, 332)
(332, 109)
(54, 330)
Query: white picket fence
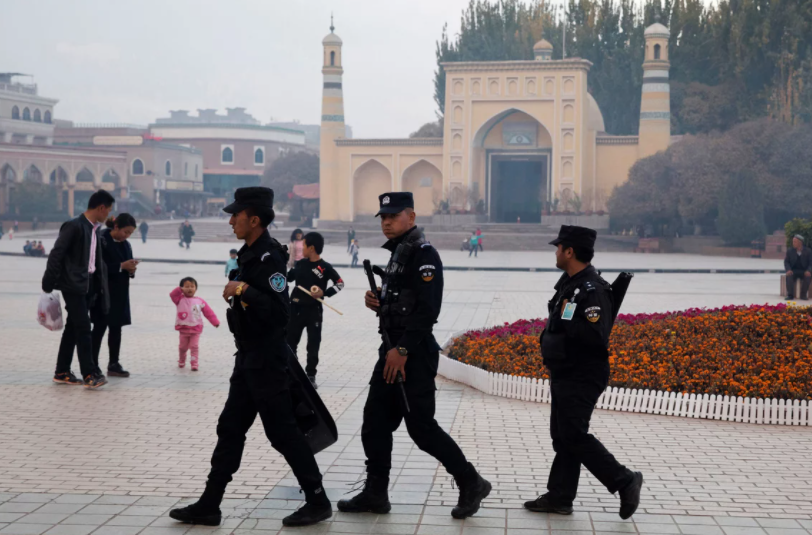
(711, 407)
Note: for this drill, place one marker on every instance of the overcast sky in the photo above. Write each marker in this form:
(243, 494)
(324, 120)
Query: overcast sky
(134, 60)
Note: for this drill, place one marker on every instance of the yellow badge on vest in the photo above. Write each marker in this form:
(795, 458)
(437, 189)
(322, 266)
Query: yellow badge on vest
(427, 272)
(593, 314)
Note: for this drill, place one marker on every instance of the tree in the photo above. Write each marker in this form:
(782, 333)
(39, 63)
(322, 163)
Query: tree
(433, 129)
(291, 169)
(741, 210)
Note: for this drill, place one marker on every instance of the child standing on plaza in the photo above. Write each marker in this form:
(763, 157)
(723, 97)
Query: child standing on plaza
(231, 263)
(189, 319)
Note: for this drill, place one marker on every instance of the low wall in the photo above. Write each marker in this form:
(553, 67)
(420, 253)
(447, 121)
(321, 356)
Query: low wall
(594, 221)
(710, 407)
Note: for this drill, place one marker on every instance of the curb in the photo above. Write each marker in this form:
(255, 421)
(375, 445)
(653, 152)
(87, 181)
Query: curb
(505, 269)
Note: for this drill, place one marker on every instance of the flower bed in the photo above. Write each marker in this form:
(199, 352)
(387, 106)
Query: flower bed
(756, 351)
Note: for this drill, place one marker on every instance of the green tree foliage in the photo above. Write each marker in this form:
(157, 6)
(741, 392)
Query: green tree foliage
(291, 169)
(433, 129)
(731, 61)
(741, 210)
(33, 198)
(690, 184)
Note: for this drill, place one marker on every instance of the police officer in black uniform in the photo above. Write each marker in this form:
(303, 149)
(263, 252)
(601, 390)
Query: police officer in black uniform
(259, 309)
(411, 293)
(574, 346)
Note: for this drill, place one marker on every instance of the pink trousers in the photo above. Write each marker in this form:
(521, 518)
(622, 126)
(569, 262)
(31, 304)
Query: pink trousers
(189, 341)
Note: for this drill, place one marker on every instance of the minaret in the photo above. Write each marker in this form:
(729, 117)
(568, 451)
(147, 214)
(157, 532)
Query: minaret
(332, 126)
(655, 105)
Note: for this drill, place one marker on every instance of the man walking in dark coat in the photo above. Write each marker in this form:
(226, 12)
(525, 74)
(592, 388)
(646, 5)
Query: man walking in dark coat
(798, 264)
(76, 268)
(143, 228)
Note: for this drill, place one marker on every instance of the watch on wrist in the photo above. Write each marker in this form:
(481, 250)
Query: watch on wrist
(238, 291)
(402, 351)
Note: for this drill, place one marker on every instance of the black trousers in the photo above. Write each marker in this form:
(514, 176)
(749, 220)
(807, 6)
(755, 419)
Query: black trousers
(310, 318)
(100, 325)
(77, 334)
(804, 284)
(383, 413)
(264, 391)
(574, 395)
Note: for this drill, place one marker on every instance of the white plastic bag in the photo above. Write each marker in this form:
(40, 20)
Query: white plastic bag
(49, 311)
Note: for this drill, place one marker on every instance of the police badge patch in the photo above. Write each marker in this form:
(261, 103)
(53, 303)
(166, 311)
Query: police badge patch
(278, 282)
(427, 272)
(593, 314)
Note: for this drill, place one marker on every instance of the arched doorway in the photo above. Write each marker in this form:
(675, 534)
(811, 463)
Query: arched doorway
(8, 177)
(32, 174)
(59, 180)
(369, 181)
(84, 188)
(425, 181)
(512, 151)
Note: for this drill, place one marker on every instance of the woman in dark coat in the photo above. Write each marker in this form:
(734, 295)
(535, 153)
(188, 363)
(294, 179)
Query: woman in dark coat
(118, 255)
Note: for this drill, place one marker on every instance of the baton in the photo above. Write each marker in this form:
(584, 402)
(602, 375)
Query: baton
(320, 300)
(387, 344)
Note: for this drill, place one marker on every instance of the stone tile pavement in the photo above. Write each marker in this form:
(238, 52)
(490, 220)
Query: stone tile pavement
(115, 460)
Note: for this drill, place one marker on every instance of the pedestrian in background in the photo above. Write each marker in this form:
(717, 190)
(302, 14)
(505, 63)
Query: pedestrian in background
(189, 319)
(143, 229)
(574, 348)
(479, 239)
(75, 267)
(187, 232)
(231, 263)
(296, 247)
(354, 250)
(118, 257)
(474, 245)
(798, 264)
(350, 238)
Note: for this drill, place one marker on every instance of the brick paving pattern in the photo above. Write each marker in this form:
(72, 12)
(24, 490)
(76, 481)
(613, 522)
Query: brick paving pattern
(114, 461)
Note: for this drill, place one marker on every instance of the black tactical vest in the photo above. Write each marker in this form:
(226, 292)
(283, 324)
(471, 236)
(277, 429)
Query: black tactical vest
(398, 299)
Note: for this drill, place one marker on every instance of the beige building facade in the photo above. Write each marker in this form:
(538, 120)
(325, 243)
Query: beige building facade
(520, 138)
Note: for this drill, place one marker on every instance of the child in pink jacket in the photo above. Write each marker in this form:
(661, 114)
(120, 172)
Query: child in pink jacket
(189, 319)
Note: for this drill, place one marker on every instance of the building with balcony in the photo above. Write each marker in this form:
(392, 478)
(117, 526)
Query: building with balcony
(25, 117)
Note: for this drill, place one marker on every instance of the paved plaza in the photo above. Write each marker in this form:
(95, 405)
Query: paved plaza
(114, 461)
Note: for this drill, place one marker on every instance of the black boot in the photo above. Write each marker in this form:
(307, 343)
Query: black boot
(114, 369)
(546, 504)
(473, 489)
(630, 496)
(373, 498)
(205, 511)
(316, 508)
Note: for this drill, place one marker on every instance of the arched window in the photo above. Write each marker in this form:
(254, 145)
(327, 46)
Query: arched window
(15, 112)
(138, 167)
(259, 156)
(656, 51)
(168, 168)
(228, 155)
(26, 114)
(47, 117)
(37, 116)
(332, 58)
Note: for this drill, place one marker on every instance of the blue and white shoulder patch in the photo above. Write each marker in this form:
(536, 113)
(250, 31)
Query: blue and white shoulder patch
(278, 282)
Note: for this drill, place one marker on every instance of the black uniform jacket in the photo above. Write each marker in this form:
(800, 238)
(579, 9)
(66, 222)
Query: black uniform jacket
(571, 343)
(69, 258)
(422, 278)
(259, 316)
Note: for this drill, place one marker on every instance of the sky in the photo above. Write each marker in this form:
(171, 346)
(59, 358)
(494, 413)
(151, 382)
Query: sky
(131, 61)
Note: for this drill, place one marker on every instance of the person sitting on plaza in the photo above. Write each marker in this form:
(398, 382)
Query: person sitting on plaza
(39, 250)
(798, 264)
(27, 248)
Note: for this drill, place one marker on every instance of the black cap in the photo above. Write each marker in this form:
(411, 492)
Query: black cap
(576, 236)
(395, 202)
(256, 197)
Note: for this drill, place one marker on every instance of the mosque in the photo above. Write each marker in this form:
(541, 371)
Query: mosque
(522, 136)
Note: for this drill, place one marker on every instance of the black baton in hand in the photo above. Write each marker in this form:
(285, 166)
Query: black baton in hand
(387, 344)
